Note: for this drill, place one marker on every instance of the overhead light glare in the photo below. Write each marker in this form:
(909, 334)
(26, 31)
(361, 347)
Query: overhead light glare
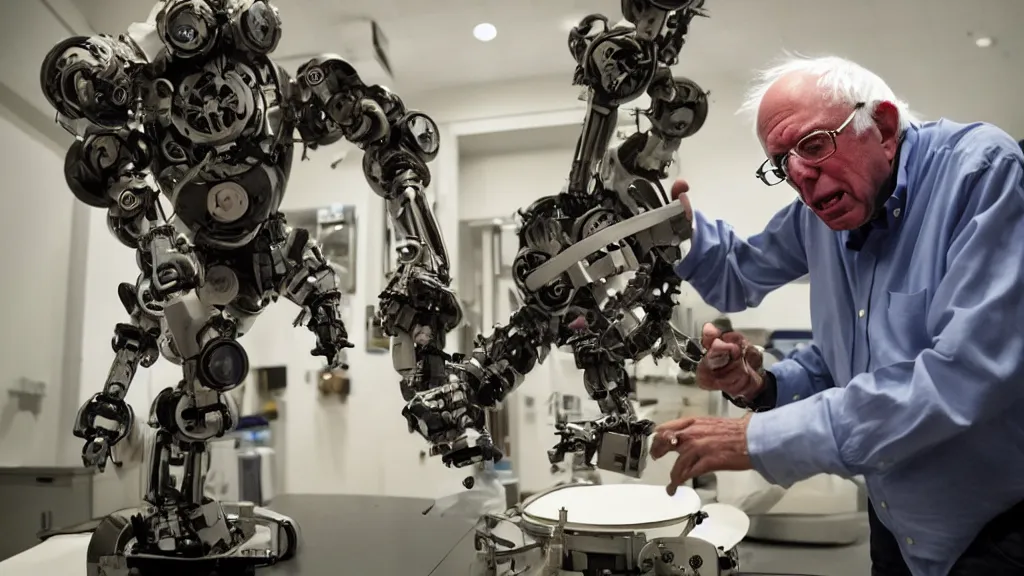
(983, 42)
(485, 32)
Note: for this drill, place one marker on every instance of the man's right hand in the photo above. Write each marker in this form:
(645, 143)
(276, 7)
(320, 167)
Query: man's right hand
(731, 364)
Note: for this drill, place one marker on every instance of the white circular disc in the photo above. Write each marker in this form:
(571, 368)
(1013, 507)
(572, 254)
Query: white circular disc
(220, 286)
(227, 202)
(725, 527)
(614, 506)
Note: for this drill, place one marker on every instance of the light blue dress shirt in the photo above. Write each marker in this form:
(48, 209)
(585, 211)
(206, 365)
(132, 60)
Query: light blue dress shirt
(916, 377)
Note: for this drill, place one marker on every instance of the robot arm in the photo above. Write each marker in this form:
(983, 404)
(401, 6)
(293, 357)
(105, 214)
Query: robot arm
(479, 382)
(106, 418)
(596, 261)
(617, 65)
(417, 307)
(312, 284)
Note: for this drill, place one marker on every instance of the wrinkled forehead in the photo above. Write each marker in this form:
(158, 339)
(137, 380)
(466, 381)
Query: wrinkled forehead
(791, 108)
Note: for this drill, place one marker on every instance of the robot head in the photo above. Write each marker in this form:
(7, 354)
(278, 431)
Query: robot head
(188, 28)
(256, 26)
(85, 78)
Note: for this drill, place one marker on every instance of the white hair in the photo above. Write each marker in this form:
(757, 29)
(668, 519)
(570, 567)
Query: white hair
(841, 80)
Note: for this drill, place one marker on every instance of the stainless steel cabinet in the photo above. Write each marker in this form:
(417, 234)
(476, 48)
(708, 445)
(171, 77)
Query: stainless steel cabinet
(34, 499)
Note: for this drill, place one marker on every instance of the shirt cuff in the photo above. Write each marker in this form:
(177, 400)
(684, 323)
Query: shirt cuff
(766, 400)
(796, 441)
(792, 382)
(686, 267)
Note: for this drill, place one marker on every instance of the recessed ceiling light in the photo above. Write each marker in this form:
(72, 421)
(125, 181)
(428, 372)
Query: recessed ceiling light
(485, 32)
(983, 42)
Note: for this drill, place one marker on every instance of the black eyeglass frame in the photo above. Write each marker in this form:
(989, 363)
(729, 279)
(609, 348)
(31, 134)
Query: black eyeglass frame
(778, 168)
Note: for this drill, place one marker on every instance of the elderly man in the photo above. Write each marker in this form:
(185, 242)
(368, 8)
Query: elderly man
(913, 237)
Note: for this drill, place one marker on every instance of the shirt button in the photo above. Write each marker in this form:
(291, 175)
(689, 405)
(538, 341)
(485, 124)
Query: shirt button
(896, 213)
(884, 504)
(796, 396)
(910, 541)
(861, 313)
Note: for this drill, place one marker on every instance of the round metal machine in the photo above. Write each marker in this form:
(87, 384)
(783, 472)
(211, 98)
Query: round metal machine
(617, 530)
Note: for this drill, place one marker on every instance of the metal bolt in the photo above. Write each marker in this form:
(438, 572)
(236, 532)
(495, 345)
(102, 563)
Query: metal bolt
(128, 200)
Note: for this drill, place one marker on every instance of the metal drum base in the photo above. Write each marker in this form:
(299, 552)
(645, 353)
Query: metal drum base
(519, 544)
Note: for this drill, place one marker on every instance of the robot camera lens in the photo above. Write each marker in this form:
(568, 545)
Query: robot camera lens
(185, 34)
(223, 365)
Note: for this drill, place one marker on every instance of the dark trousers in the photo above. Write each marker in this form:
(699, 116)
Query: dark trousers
(998, 550)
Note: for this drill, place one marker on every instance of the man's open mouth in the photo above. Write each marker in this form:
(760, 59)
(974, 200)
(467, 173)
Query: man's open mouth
(829, 201)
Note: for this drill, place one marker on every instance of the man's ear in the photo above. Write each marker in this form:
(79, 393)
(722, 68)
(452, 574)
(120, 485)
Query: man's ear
(887, 119)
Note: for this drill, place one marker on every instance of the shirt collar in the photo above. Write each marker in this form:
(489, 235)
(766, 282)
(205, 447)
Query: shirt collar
(893, 196)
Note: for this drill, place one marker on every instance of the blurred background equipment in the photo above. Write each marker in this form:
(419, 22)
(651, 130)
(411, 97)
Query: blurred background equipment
(334, 382)
(335, 228)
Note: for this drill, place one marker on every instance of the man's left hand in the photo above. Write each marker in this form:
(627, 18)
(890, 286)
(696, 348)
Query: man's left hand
(705, 444)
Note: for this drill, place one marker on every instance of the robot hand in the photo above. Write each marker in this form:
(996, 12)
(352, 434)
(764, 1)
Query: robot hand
(102, 422)
(686, 352)
(444, 414)
(619, 443)
(331, 335)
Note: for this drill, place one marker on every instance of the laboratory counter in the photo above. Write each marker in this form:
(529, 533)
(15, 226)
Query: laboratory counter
(390, 536)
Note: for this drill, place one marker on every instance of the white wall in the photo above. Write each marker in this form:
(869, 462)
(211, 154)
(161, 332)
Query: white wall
(497, 185)
(35, 243)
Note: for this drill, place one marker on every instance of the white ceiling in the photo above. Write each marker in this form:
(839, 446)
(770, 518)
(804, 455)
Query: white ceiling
(924, 48)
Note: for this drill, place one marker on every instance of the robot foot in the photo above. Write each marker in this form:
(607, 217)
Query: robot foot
(260, 538)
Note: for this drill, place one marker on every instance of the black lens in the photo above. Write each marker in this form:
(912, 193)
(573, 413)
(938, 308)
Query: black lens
(223, 365)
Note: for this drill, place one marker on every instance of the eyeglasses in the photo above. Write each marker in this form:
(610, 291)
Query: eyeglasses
(813, 148)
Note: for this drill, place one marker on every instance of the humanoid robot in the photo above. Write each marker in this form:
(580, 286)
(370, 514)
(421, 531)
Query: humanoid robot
(188, 110)
(595, 265)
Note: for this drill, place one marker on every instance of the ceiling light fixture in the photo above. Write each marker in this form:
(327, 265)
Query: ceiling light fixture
(485, 32)
(983, 42)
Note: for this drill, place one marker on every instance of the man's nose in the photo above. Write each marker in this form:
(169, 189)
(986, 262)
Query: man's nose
(800, 173)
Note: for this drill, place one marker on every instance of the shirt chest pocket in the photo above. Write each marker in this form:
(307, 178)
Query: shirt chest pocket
(901, 333)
